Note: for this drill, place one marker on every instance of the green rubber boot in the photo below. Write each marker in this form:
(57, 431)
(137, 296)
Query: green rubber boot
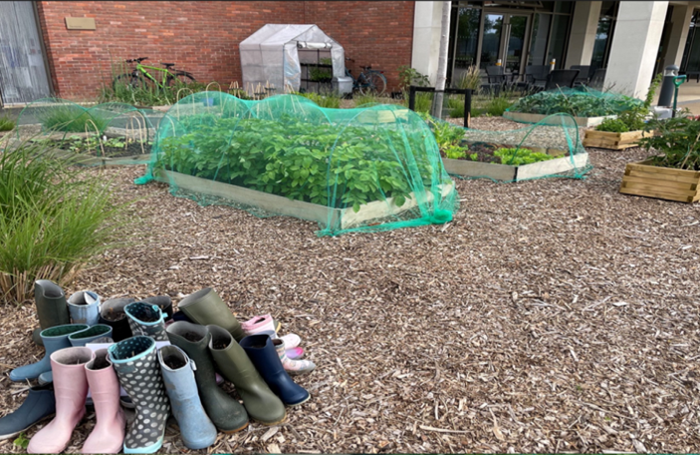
(233, 363)
(206, 307)
(51, 307)
(227, 414)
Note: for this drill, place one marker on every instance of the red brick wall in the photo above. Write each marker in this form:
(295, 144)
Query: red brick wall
(203, 37)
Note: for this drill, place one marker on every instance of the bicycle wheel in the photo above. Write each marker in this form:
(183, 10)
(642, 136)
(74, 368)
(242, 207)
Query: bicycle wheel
(181, 78)
(375, 84)
(131, 81)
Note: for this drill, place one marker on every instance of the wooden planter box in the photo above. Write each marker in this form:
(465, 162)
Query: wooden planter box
(83, 159)
(613, 141)
(680, 185)
(338, 218)
(506, 173)
(536, 118)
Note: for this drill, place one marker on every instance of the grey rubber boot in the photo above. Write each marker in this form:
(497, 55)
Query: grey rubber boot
(51, 307)
(196, 429)
(135, 362)
(84, 308)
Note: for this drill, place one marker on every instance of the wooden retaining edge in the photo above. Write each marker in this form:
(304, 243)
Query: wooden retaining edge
(506, 173)
(345, 218)
(614, 141)
(522, 117)
(642, 179)
(89, 160)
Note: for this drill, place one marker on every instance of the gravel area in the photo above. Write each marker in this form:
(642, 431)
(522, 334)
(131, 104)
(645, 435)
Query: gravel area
(554, 315)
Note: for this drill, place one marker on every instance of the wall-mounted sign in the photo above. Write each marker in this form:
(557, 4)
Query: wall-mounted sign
(80, 23)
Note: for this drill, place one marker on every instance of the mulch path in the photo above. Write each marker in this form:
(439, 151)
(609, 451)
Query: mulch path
(553, 315)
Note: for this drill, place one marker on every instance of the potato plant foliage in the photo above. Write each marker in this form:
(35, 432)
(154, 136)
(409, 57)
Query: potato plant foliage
(335, 165)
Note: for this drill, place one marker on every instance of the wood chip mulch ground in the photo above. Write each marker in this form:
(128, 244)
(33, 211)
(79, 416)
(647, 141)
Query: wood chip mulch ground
(554, 315)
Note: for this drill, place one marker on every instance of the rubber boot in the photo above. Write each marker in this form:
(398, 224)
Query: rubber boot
(89, 335)
(227, 414)
(264, 356)
(196, 430)
(292, 367)
(55, 338)
(146, 319)
(84, 308)
(112, 314)
(70, 388)
(294, 353)
(164, 303)
(135, 362)
(206, 307)
(108, 434)
(265, 323)
(51, 307)
(260, 402)
(40, 404)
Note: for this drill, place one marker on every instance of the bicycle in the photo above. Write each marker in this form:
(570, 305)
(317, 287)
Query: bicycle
(368, 81)
(141, 78)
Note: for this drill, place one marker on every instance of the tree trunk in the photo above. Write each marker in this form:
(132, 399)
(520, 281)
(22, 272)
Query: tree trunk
(438, 99)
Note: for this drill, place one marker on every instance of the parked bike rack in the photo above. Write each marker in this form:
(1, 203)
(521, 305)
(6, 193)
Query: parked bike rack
(457, 91)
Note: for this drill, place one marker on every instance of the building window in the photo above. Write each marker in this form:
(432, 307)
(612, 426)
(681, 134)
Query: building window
(603, 37)
(691, 53)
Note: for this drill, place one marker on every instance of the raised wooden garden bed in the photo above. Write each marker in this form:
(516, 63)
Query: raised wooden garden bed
(508, 173)
(536, 118)
(613, 141)
(642, 179)
(345, 218)
(84, 159)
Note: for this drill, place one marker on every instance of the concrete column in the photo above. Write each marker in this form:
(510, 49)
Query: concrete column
(635, 46)
(427, 26)
(680, 18)
(583, 31)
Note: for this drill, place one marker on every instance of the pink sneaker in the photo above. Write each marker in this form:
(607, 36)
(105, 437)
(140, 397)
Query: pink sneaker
(292, 367)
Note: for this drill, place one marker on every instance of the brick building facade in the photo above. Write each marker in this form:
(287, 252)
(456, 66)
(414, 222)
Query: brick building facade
(203, 37)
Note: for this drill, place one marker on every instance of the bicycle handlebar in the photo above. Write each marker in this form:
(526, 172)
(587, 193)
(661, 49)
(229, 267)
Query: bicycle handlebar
(137, 60)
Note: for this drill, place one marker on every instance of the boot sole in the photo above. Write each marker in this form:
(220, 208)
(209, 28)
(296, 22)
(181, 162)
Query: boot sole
(236, 430)
(11, 435)
(271, 424)
(300, 403)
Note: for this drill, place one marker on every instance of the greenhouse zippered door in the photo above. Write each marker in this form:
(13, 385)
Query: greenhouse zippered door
(23, 75)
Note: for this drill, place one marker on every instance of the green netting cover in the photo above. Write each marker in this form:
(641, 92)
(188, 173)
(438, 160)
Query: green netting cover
(116, 131)
(365, 169)
(550, 148)
(579, 102)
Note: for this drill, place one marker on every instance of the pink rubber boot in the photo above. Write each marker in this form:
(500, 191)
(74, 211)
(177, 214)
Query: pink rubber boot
(108, 434)
(265, 324)
(292, 367)
(70, 388)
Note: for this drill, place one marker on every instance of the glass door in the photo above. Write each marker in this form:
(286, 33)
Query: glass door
(504, 39)
(514, 43)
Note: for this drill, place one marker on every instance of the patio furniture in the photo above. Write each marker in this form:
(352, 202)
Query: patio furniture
(496, 78)
(535, 78)
(598, 79)
(584, 74)
(561, 79)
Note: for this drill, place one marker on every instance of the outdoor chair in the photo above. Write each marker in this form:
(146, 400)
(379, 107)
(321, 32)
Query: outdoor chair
(584, 74)
(535, 78)
(496, 79)
(561, 79)
(598, 79)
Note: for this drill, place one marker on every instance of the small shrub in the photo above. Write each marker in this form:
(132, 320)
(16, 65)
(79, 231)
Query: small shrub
(613, 125)
(677, 139)
(6, 123)
(54, 219)
(409, 76)
(497, 106)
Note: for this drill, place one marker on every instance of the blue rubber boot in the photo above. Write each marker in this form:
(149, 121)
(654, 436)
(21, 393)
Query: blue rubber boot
(54, 339)
(84, 308)
(135, 362)
(86, 336)
(196, 429)
(146, 319)
(39, 404)
(263, 354)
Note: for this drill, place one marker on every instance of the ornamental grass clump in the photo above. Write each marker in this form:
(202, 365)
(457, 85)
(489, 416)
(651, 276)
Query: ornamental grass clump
(71, 119)
(54, 220)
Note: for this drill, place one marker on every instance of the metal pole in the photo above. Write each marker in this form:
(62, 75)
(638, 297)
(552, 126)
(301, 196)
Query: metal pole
(412, 98)
(467, 108)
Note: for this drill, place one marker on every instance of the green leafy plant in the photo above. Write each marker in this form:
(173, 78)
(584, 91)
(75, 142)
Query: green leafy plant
(54, 219)
(424, 101)
(577, 103)
(320, 74)
(613, 125)
(21, 441)
(448, 137)
(632, 119)
(520, 156)
(293, 158)
(474, 157)
(678, 141)
(71, 119)
(326, 99)
(6, 123)
(409, 76)
(455, 152)
(497, 106)
(455, 105)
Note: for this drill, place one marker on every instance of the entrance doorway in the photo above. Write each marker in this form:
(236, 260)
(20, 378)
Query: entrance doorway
(23, 76)
(504, 39)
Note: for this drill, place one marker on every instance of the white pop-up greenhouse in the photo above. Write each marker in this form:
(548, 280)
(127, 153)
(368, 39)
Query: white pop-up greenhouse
(289, 57)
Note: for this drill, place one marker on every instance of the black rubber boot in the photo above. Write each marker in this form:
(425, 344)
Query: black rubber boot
(112, 314)
(263, 354)
(164, 303)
